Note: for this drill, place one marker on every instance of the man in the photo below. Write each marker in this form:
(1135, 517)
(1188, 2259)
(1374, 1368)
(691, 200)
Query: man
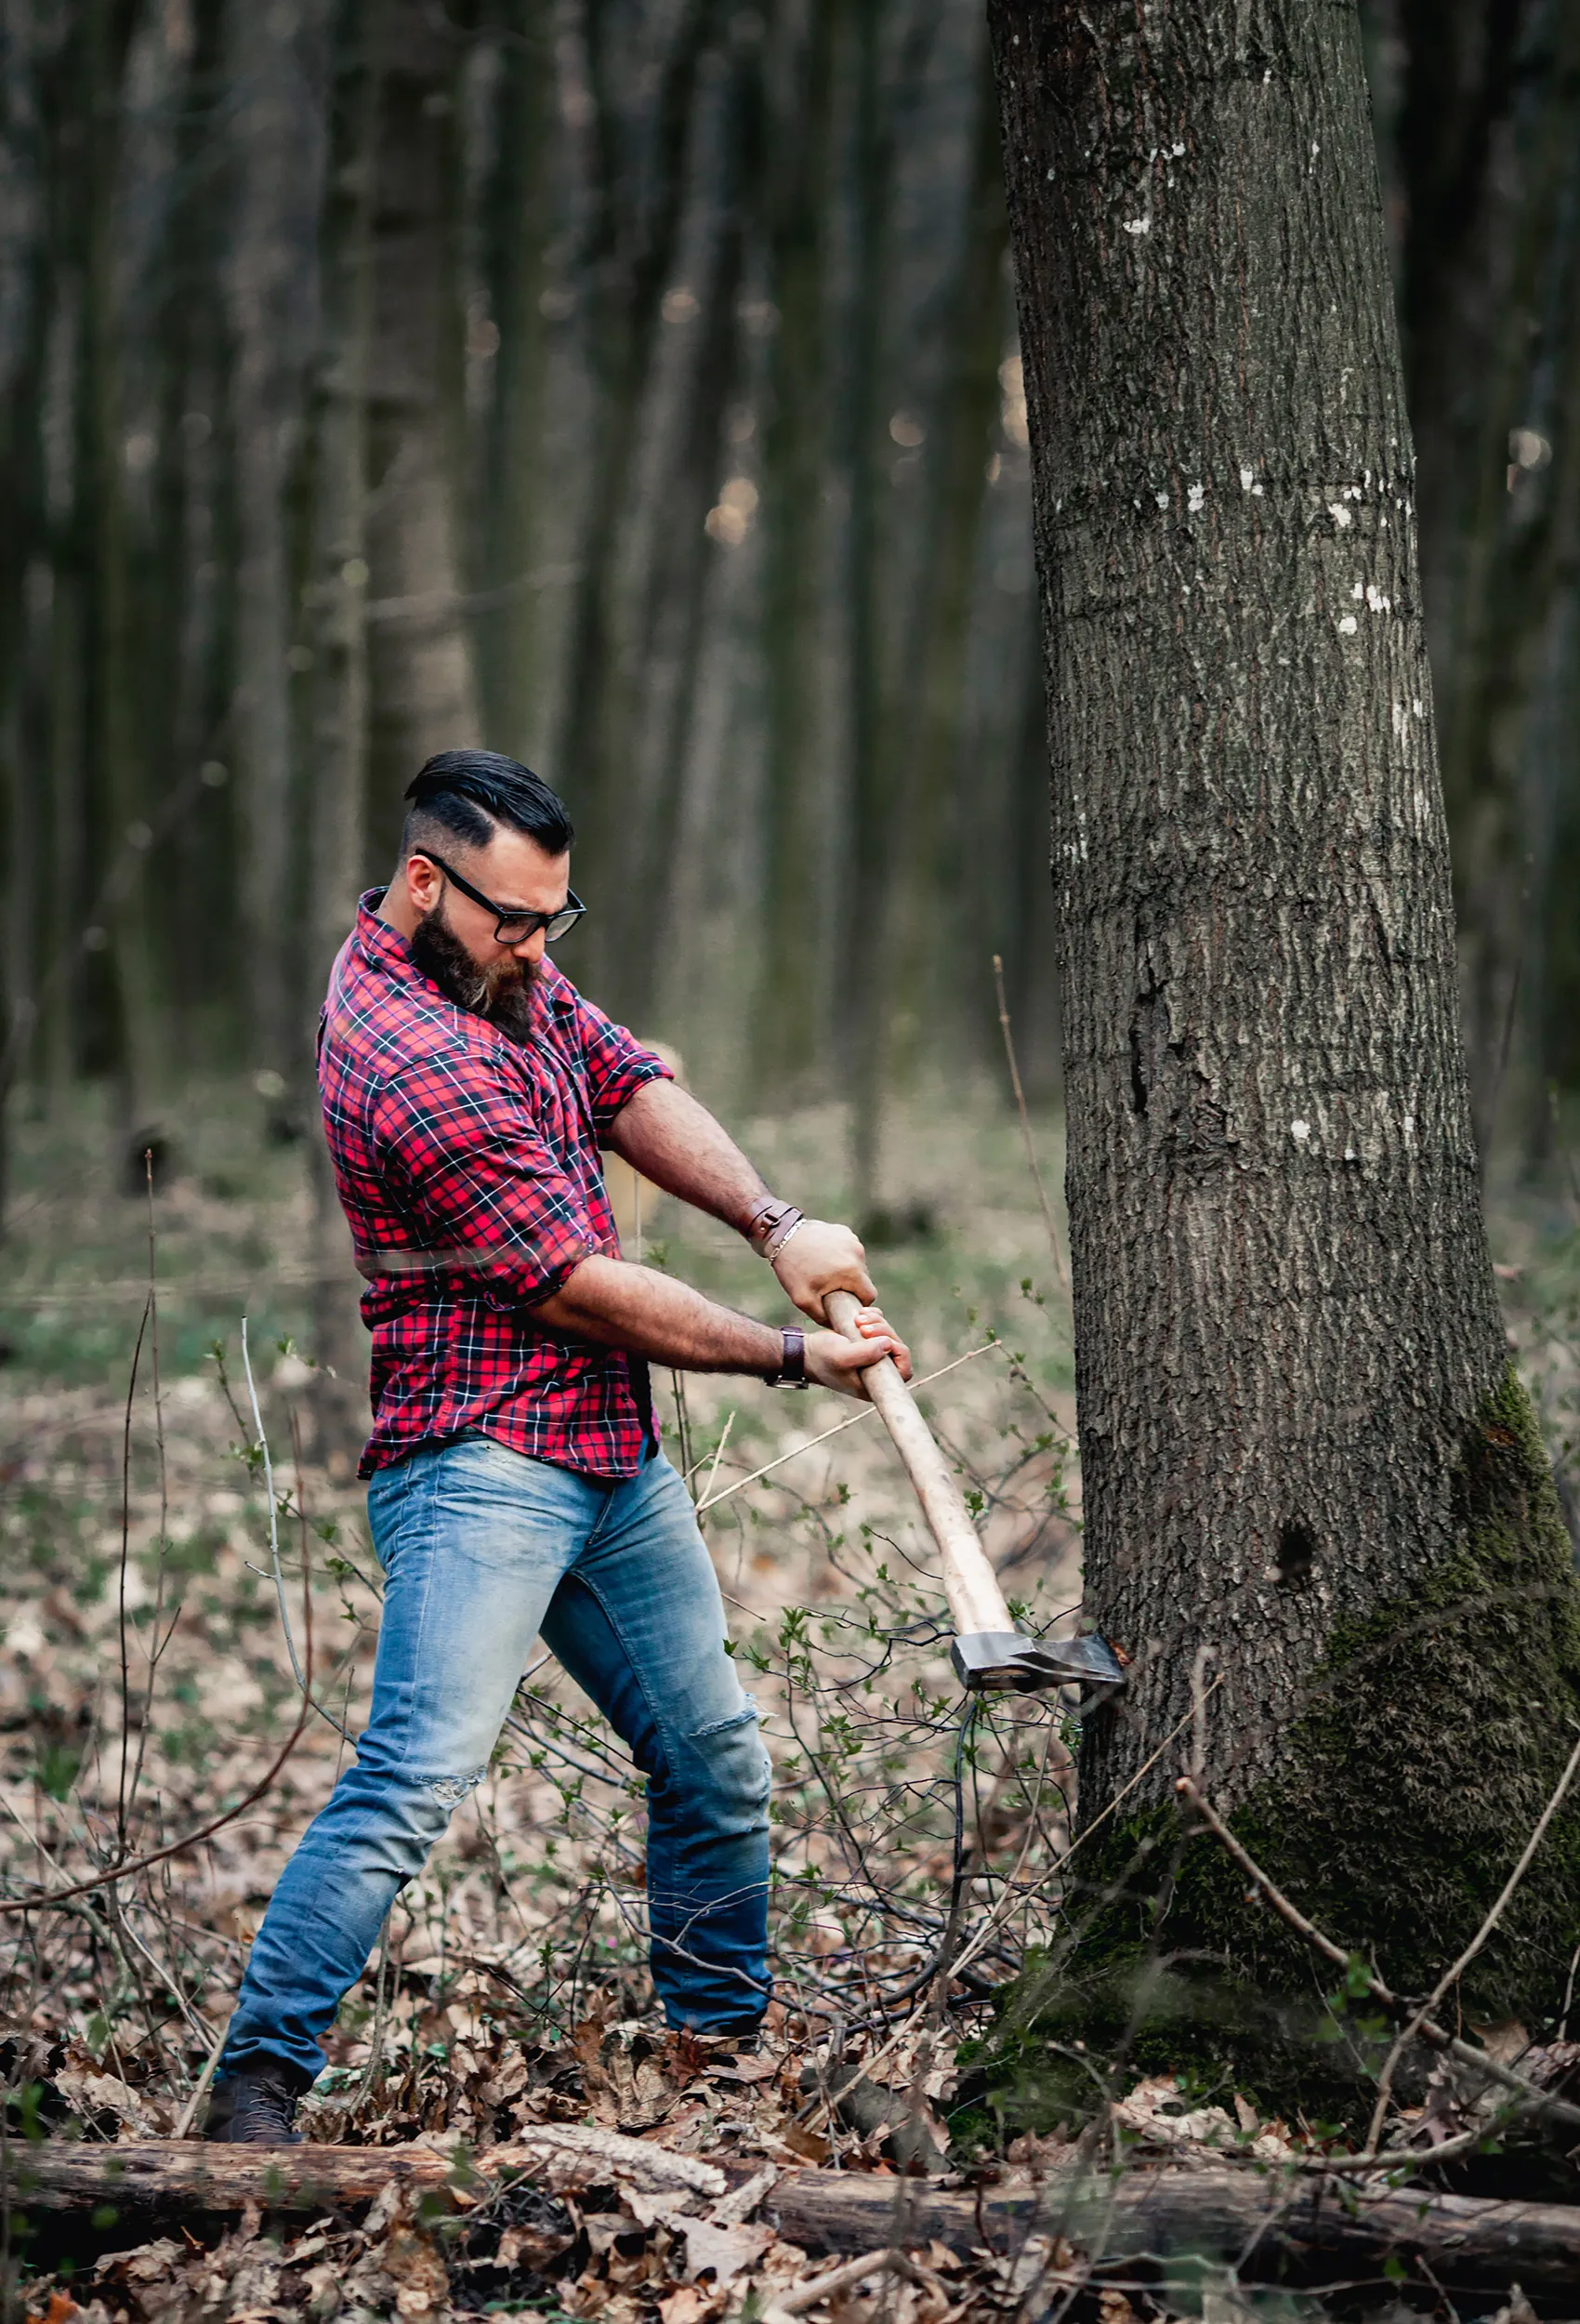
(516, 1486)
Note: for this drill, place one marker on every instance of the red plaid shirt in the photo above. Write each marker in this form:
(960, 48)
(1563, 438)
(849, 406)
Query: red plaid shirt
(450, 1139)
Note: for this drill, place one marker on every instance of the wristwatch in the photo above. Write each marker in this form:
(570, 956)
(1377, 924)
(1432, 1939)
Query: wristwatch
(791, 1372)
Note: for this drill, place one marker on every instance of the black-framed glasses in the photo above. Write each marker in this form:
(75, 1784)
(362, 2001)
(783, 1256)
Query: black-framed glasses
(514, 928)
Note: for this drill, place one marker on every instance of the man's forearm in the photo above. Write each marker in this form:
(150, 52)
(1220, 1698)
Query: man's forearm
(621, 1306)
(676, 1143)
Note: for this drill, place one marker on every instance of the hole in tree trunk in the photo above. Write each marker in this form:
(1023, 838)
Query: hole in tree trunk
(1296, 1556)
(1137, 1079)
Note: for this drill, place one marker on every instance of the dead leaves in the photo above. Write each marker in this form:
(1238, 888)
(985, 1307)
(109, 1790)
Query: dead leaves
(1158, 2114)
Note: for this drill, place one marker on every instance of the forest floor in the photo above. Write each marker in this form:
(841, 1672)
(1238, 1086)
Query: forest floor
(147, 1696)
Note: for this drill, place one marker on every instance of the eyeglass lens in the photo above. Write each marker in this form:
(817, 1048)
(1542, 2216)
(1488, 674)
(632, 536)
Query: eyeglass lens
(511, 932)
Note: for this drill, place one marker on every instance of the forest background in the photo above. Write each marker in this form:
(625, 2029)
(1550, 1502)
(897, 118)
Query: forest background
(635, 389)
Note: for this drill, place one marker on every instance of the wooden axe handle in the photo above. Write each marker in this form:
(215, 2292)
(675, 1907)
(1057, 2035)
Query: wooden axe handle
(976, 1600)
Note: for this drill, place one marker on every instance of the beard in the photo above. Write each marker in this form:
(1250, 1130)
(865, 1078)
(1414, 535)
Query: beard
(502, 993)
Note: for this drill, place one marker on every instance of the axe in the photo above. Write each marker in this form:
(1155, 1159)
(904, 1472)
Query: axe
(987, 1650)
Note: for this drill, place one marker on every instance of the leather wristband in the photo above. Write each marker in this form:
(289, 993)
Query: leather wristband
(781, 1235)
(791, 1372)
(765, 1216)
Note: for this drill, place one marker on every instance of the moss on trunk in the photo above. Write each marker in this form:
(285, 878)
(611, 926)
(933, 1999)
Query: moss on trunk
(1432, 1735)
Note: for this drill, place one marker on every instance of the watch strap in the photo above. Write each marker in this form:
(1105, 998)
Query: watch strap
(791, 1372)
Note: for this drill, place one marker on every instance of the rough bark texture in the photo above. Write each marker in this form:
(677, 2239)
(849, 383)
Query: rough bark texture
(1299, 1433)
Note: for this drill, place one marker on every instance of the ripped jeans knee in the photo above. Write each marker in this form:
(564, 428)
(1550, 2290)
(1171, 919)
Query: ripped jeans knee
(450, 1791)
(735, 1771)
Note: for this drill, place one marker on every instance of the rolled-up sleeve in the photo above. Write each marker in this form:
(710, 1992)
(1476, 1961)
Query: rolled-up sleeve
(473, 1172)
(617, 1065)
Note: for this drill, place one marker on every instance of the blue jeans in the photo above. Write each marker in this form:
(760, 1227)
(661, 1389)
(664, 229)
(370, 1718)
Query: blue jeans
(483, 1549)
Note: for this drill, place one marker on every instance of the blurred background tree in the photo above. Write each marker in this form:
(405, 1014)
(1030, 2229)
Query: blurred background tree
(632, 385)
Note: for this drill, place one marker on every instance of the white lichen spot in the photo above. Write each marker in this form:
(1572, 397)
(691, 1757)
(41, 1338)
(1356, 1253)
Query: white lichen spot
(1416, 710)
(1348, 625)
(1247, 478)
(1359, 591)
(1340, 514)
(1378, 599)
(1299, 1131)
(1194, 498)
(1350, 1154)
(1409, 1125)
(1162, 500)
(1177, 148)
(1137, 226)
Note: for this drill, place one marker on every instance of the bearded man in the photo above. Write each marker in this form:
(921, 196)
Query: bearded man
(516, 1482)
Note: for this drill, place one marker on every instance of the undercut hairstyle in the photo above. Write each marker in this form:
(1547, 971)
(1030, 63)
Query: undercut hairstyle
(467, 794)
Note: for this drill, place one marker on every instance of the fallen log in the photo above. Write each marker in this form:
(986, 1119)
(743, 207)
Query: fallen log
(1306, 2227)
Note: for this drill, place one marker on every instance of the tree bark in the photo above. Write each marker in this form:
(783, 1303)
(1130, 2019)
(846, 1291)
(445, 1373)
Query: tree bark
(1318, 1513)
(262, 289)
(336, 634)
(937, 657)
(863, 984)
(1488, 178)
(111, 738)
(516, 228)
(683, 561)
(1309, 2228)
(790, 1006)
(422, 694)
(637, 195)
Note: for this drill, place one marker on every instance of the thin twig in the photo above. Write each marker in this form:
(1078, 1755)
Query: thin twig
(817, 2288)
(376, 2047)
(717, 1456)
(121, 1803)
(262, 1441)
(839, 1426)
(189, 2112)
(1054, 1243)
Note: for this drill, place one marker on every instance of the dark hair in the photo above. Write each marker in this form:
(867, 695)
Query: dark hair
(470, 793)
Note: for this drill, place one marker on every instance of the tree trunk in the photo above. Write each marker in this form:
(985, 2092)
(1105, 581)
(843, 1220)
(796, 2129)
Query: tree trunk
(262, 287)
(1318, 1512)
(1487, 161)
(111, 738)
(636, 204)
(790, 1003)
(917, 966)
(1310, 2230)
(516, 228)
(336, 596)
(870, 815)
(682, 565)
(422, 694)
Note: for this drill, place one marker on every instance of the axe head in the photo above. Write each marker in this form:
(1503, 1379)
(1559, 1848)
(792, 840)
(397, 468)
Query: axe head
(1003, 1660)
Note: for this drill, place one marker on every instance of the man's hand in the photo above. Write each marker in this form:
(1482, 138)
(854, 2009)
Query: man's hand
(821, 1258)
(833, 1361)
